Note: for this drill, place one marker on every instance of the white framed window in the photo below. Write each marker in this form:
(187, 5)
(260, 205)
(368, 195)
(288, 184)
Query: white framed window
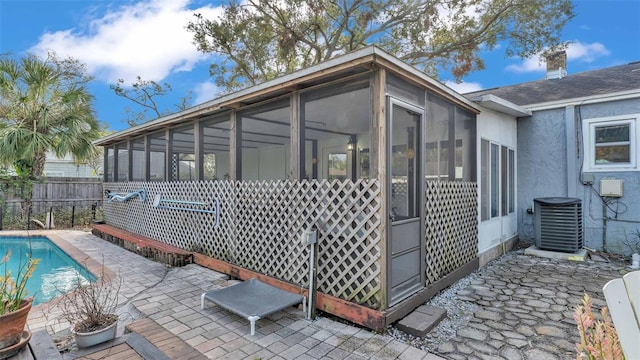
(611, 143)
(489, 180)
(497, 180)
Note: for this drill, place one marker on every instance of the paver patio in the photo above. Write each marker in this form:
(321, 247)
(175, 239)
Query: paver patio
(171, 297)
(523, 310)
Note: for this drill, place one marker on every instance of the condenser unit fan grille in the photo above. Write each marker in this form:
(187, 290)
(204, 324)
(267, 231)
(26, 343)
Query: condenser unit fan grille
(558, 224)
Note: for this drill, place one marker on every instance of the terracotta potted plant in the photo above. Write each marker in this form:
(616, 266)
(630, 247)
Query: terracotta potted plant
(90, 308)
(14, 304)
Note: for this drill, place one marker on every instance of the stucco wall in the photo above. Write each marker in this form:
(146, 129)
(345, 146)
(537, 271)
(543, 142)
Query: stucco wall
(546, 167)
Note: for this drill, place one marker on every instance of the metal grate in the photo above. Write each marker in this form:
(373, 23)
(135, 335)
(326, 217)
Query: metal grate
(558, 224)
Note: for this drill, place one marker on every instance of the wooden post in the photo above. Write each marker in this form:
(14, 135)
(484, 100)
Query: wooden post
(198, 152)
(147, 158)
(130, 160)
(105, 163)
(297, 138)
(168, 159)
(235, 143)
(379, 167)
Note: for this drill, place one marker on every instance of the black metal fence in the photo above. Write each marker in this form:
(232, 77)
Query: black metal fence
(47, 214)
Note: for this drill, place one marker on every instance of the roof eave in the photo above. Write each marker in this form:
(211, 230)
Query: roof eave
(501, 105)
(592, 99)
(370, 54)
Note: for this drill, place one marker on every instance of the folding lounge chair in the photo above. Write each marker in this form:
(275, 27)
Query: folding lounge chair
(253, 300)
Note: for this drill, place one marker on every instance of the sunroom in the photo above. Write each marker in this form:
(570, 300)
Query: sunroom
(372, 155)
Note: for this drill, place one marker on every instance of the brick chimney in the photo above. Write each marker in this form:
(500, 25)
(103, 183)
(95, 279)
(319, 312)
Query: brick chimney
(556, 65)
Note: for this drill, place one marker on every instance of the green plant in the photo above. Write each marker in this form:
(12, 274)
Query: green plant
(13, 289)
(598, 338)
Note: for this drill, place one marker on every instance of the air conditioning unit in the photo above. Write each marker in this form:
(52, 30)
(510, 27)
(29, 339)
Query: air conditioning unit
(558, 224)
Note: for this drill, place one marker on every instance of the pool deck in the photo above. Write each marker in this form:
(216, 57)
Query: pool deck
(170, 299)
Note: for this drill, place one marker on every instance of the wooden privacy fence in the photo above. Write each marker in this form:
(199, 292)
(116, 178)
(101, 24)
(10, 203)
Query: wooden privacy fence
(71, 201)
(260, 224)
(53, 192)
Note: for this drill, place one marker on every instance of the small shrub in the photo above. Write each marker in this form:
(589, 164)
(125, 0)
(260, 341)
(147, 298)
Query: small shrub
(91, 306)
(598, 338)
(13, 288)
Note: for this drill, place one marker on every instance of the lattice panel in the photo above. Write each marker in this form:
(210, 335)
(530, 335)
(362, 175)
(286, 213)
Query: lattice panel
(260, 226)
(451, 224)
(399, 196)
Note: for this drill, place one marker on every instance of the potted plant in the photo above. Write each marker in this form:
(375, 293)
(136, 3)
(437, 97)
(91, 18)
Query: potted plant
(90, 308)
(14, 304)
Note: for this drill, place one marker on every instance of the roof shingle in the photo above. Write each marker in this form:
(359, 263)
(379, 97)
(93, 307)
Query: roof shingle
(589, 83)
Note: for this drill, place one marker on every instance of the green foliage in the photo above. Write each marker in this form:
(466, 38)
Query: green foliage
(259, 40)
(144, 93)
(598, 338)
(45, 106)
(13, 289)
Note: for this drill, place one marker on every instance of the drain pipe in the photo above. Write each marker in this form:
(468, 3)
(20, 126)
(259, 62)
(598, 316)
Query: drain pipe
(604, 227)
(309, 237)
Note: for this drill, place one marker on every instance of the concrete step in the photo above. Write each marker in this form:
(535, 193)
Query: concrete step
(422, 320)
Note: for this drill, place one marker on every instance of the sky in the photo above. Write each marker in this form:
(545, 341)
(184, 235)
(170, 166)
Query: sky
(125, 38)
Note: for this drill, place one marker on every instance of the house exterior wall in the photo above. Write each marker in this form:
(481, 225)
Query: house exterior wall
(65, 167)
(547, 167)
(502, 130)
(542, 164)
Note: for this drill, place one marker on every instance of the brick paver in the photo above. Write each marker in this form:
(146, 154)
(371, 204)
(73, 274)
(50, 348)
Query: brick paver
(171, 297)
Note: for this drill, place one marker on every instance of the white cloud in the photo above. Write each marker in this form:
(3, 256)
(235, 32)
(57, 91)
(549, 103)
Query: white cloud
(147, 38)
(576, 51)
(532, 64)
(206, 91)
(464, 87)
(586, 52)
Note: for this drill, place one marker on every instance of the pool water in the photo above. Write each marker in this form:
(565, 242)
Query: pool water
(55, 274)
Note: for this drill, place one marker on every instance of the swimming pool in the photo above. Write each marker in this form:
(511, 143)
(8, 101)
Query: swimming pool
(56, 271)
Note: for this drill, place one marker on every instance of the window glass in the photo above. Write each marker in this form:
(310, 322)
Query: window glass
(439, 120)
(612, 144)
(123, 162)
(484, 180)
(157, 160)
(137, 157)
(503, 180)
(512, 180)
(495, 161)
(401, 89)
(337, 166)
(109, 171)
(215, 148)
(265, 143)
(337, 120)
(405, 136)
(465, 134)
(183, 160)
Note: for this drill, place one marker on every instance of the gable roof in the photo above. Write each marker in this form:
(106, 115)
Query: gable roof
(617, 79)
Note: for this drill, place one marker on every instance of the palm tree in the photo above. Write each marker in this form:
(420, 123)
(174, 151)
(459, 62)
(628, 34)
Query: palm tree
(44, 106)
